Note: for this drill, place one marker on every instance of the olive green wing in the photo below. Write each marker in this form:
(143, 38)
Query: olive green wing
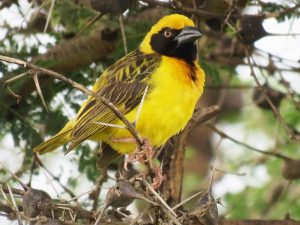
(123, 84)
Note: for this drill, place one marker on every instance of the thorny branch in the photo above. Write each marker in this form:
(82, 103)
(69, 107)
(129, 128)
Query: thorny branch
(224, 135)
(290, 131)
(96, 193)
(66, 213)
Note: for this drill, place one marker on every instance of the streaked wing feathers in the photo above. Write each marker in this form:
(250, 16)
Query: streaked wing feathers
(123, 84)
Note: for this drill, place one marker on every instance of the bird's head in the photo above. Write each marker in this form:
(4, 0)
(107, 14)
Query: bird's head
(174, 36)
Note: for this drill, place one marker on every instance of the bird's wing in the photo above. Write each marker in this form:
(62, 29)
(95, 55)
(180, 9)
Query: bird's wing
(123, 84)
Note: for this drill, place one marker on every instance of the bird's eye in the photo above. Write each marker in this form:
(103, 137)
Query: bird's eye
(168, 33)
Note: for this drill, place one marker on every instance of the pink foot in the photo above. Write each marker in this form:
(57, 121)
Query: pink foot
(158, 179)
(145, 154)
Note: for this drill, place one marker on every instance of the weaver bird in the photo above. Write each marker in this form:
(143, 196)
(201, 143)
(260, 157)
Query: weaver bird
(163, 71)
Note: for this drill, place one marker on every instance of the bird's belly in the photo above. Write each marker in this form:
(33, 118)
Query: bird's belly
(164, 113)
(165, 117)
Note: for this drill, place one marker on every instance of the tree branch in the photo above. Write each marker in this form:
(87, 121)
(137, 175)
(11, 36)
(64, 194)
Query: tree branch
(80, 87)
(174, 152)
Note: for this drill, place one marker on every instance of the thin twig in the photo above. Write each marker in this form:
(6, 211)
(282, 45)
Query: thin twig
(49, 15)
(90, 23)
(3, 194)
(50, 182)
(135, 220)
(99, 217)
(202, 116)
(122, 214)
(14, 78)
(57, 179)
(229, 172)
(26, 14)
(212, 177)
(14, 202)
(186, 200)
(140, 106)
(289, 91)
(39, 91)
(15, 191)
(224, 135)
(165, 205)
(273, 107)
(252, 73)
(18, 97)
(123, 34)
(279, 58)
(97, 191)
(111, 125)
(33, 166)
(44, 3)
(24, 186)
(171, 216)
(82, 194)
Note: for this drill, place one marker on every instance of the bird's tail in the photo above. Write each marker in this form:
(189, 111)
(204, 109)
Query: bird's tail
(61, 138)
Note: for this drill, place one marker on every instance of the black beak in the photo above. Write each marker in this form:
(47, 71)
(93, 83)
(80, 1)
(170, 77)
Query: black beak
(187, 35)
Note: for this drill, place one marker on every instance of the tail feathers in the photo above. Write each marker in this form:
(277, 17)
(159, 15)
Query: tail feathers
(72, 146)
(53, 143)
(107, 156)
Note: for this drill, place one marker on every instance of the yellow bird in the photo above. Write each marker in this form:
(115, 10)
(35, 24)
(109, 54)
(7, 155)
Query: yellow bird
(164, 69)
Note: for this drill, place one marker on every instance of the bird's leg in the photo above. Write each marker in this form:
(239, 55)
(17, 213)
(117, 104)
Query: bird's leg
(145, 154)
(136, 156)
(158, 178)
(148, 152)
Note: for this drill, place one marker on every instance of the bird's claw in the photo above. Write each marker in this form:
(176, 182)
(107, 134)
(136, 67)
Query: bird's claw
(158, 178)
(148, 152)
(145, 154)
(134, 157)
(142, 155)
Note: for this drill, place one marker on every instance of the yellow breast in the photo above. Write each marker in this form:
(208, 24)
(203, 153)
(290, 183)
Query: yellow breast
(168, 107)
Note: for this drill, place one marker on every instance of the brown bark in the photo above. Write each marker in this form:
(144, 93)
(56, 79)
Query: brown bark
(173, 168)
(174, 155)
